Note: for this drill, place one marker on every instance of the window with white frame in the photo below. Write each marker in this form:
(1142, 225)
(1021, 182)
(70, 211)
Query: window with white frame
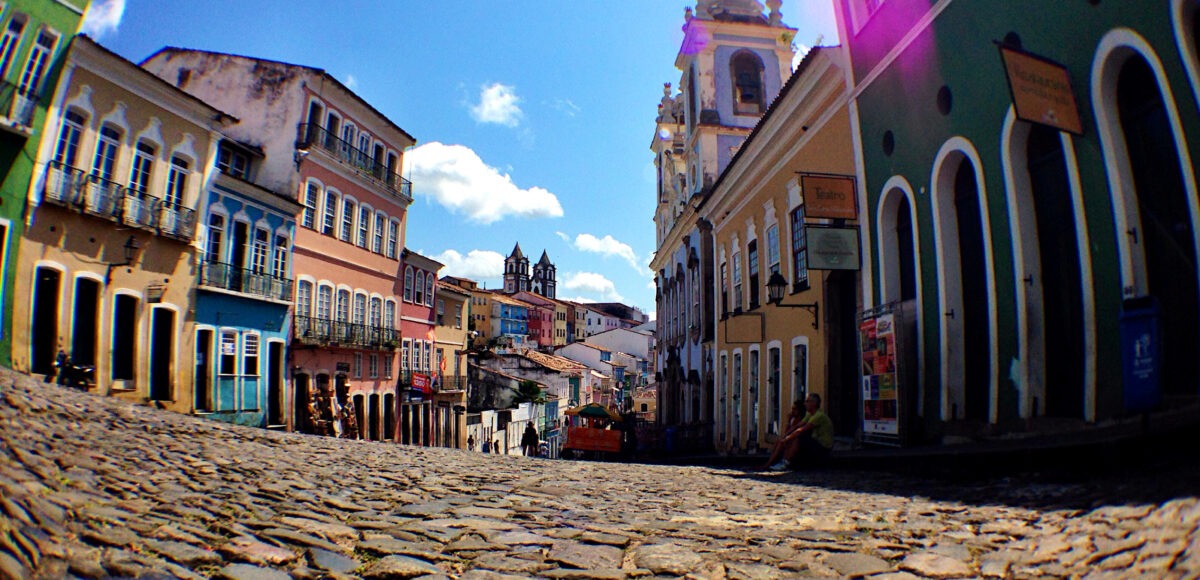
(259, 251)
(106, 153)
(281, 257)
(177, 181)
(308, 218)
(364, 226)
(405, 348)
(773, 249)
(774, 391)
(387, 366)
(143, 166)
(408, 284)
(358, 364)
(250, 354)
(67, 150)
(373, 366)
(799, 372)
(360, 308)
(324, 302)
(377, 241)
(343, 305)
(10, 41)
(799, 250)
(304, 298)
(441, 312)
(35, 67)
(376, 312)
(329, 222)
(419, 288)
(228, 360)
(752, 264)
(425, 352)
(393, 238)
(429, 289)
(348, 210)
(737, 281)
(389, 314)
(216, 237)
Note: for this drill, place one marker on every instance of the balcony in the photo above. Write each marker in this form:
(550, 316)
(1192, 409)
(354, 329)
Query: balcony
(361, 161)
(17, 108)
(440, 383)
(326, 332)
(230, 277)
(72, 188)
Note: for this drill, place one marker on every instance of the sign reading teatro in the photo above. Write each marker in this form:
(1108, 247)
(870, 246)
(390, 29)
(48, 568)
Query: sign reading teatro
(1041, 91)
(829, 196)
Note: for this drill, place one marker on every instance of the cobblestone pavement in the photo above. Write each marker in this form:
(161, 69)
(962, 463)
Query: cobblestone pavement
(93, 487)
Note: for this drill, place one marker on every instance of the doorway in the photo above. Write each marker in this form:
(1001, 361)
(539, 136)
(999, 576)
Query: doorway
(162, 351)
(43, 328)
(85, 322)
(203, 387)
(276, 398)
(301, 416)
(373, 418)
(124, 344)
(389, 417)
(843, 392)
(974, 303)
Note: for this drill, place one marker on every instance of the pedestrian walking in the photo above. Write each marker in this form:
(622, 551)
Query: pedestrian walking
(529, 440)
(470, 442)
(486, 446)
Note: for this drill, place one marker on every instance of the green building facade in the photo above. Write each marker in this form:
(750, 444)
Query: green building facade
(1019, 250)
(34, 37)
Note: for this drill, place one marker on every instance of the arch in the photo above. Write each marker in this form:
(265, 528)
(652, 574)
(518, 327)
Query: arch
(117, 118)
(954, 152)
(746, 81)
(896, 190)
(1031, 338)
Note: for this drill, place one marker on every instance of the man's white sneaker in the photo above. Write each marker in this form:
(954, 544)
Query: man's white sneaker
(781, 466)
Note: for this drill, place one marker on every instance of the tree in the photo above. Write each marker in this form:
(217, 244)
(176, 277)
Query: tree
(530, 392)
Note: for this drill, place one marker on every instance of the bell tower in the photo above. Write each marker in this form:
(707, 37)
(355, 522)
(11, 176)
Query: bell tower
(516, 271)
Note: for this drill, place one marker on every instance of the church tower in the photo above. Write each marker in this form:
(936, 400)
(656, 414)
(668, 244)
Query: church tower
(516, 271)
(543, 277)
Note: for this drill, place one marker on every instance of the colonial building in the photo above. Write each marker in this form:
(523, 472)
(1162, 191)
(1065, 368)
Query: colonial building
(1032, 242)
(518, 279)
(421, 417)
(341, 158)
(36, 34)
(734, 60)
(107, 268)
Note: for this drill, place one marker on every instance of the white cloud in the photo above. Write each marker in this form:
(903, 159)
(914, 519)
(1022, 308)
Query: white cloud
(351, 82)
(566, 107)
(103, 17)
(608, 246)
(593, 283)
(456, 178)
(498, 104)
(476, 265)
(579, 300)
(564, 236)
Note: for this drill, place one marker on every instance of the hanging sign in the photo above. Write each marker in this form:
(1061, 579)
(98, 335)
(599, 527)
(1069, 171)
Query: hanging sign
(1041, 90)
(832, 248)
(829, 197)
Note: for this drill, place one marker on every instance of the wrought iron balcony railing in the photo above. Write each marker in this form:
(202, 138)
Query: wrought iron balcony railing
(316, 136)
(246, 281)
(324, 331)
(17, 107)
(71, 187)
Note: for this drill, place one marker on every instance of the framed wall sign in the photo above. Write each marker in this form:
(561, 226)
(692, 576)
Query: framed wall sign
(832, 247)
(829, 196)
(1041, 90)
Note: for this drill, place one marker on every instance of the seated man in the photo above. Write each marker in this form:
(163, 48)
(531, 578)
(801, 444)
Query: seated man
(810, 442)
(781, 445)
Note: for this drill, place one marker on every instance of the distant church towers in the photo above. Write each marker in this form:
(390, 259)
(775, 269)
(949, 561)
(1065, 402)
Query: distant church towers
(517, 278)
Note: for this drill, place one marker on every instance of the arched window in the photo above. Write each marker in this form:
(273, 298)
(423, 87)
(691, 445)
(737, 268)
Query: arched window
(216, 237)
(360, 309)
(329, 221)
(68, 138)
(376, 312)
(429, 290)
(408, 284)
(343, 305)
(747, 73)
(419, 288)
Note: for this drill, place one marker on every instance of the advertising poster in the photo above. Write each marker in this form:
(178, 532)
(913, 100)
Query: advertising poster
(880, 380)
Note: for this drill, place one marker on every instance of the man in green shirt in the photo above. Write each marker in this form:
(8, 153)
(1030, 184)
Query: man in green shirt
(809, 443)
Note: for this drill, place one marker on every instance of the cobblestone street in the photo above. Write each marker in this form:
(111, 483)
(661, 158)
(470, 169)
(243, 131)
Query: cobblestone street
(93, 488)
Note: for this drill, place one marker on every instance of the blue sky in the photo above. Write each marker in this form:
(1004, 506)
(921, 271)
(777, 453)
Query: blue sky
(533, 118)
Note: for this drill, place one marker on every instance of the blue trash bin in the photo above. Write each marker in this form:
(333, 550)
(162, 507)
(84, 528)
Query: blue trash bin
(1141, 353)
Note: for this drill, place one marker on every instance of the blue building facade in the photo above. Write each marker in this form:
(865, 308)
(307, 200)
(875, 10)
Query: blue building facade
(514, 320)
(243, 297)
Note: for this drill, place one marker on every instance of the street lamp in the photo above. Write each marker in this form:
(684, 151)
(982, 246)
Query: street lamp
(130, 247)
(775, 288)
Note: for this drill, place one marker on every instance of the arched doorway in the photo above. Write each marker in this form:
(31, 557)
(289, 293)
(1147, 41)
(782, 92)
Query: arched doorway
(300, 405)
(43, 328)
(1164, 224)
(900, 281)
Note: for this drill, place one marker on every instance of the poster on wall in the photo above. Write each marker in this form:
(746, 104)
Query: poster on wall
(881, 385)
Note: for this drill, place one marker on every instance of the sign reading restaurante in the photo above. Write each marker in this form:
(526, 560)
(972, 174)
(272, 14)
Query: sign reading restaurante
(1041, 91)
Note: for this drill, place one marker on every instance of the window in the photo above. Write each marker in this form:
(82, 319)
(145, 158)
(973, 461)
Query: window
(106, 153)
(373, 366)
(364, 226)
(216, 236)
(177, 182)
(799, 250)
(752, 259)
(387, 366)
(68, 139)
(419, 288)
(605, 356)
(426, 349)
(357, 369)
(724, 289)
(799, 372)
(376, 312)
(393, 236)
(250, 355)
(458, 317)
(405, 347)
(360, 309)
(408, 284)
(773, 249)
(441, 312)
(377, 244)
(233, 163)
(747, 71)
(329, 223)
(308, 218)
(304, 298)
(343, 305)
(259, 251)
(429, 289)
(143, 164)
(10, 41)
(281, 257)
(324, 300)
(228, 365)
(348, 211)
(389, 314)
(737, 282)
(35, 67)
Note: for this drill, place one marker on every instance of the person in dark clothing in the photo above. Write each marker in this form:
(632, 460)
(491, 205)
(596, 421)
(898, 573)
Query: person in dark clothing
(529, 440)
